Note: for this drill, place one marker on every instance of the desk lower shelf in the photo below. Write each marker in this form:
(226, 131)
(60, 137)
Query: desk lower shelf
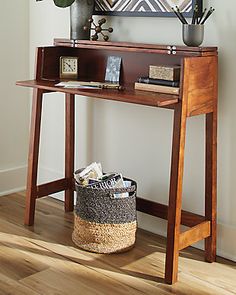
(129, 94)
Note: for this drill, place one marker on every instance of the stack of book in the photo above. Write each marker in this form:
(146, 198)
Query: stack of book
(164, 79)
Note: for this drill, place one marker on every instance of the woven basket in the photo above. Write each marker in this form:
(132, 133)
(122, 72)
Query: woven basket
(104, 224)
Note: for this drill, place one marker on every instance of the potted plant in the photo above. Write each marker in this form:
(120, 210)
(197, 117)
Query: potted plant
(80, 12)
(62, 3)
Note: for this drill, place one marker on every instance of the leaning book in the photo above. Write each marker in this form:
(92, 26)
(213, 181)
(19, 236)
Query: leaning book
(156, 88)
(148, 80)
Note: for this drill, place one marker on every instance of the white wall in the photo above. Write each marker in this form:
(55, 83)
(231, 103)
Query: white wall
(14, 102)
(135, 140)
(47, 22)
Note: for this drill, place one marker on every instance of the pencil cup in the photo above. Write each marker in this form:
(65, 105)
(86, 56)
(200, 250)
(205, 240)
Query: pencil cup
(193, 34)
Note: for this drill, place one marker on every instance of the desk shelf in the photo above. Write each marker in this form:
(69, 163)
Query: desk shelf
(198, 96)
(129, 94)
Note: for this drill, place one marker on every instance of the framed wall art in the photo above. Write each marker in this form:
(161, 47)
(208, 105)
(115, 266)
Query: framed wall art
(161, 8)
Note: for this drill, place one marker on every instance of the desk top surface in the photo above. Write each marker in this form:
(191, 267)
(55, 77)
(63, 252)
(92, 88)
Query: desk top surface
(134, 46)
(129, 94)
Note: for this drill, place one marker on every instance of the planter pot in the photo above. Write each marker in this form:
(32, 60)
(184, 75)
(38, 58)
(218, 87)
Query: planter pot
(80, 12)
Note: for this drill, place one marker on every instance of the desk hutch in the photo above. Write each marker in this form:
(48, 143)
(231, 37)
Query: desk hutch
(198, 96)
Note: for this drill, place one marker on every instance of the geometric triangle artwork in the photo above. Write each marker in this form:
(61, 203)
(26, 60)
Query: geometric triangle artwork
(142, 5)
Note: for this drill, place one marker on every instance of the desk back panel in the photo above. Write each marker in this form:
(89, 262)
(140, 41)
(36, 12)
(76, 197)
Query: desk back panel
(92, 63)
(198, 70)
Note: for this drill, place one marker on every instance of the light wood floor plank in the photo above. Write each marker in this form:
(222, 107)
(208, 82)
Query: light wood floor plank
(132, 278)
(11, 287)
(43, 260)
(16, 265)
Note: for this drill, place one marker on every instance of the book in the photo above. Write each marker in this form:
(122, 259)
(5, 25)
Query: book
(171, 73)
(89, 84)
(148, 80)
(156, 88)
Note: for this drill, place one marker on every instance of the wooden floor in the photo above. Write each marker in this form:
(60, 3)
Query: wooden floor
(43, 260)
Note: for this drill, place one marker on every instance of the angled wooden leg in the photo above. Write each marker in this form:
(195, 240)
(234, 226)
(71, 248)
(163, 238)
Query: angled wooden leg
(210, 184)
(31, 189)
(69, 149)
(175, 196)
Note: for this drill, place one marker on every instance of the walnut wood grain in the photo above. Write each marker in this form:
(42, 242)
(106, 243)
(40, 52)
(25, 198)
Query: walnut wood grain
(161, 211)
(31, 188)
(128, 95)
(52, 187)
(38, 63)
(194, 234)
(199, 84)
(211, 182)
(175, 193)
(134, 46)
(211, 171)
(93, 61)
(69, 149)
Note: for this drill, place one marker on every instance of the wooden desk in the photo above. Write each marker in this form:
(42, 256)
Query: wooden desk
(198, 96)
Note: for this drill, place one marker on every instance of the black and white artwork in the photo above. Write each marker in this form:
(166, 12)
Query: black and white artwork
(144, 7)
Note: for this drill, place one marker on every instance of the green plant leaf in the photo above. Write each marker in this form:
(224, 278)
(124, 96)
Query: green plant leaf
(63, 3)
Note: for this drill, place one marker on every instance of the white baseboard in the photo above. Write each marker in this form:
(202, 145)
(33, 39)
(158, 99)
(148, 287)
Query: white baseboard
(226, 234)
(12, 180)
(226, 241)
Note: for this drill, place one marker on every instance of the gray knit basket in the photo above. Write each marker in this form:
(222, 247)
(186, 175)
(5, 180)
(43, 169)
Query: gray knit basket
(104, 224)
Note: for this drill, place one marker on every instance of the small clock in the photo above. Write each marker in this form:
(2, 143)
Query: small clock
(69, 66)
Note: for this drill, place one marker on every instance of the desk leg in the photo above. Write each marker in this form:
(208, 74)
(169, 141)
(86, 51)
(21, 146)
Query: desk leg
(175, 196)
(69, 149)
(31, 189)
(210, 187)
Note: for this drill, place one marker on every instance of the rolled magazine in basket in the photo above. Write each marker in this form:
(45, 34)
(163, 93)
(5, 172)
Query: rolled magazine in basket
(112, 181)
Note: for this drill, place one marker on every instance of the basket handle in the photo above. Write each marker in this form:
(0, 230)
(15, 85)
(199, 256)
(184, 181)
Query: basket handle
(129, 189)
